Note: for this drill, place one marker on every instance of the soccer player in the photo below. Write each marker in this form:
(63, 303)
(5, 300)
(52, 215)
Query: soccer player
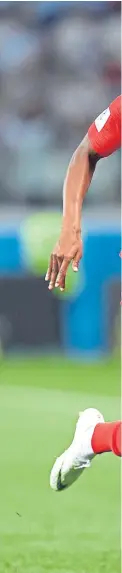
(92, 435)
(102, 139)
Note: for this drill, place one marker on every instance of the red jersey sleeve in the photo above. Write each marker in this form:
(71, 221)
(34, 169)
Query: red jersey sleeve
(105, 132)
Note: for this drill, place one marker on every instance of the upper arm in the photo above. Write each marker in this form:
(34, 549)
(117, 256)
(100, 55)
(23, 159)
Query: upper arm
(105, 133)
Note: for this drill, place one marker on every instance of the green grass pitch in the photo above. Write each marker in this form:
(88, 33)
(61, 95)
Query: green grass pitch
(75, 531)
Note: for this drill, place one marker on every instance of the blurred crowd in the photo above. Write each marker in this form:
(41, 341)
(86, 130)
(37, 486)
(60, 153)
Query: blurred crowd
(60, 66)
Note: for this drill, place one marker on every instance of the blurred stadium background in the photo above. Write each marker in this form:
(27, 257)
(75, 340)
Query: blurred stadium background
(60, 66)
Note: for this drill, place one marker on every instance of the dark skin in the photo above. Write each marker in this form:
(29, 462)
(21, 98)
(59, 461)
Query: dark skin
(68, 248)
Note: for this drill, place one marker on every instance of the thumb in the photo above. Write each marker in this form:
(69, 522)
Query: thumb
(76, 261)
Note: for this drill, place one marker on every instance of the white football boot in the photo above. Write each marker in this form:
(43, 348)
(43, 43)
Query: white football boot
(71, 464)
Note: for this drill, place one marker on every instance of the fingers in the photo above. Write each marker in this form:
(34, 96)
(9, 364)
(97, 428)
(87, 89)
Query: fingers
(52, 269)
(49, 270)
(60, 281)
(76, 260)
(54, 272)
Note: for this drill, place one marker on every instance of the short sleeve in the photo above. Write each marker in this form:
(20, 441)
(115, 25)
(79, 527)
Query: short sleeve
(105, 132)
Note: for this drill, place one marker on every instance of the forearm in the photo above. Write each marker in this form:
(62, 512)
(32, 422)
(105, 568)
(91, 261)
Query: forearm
(77, 181)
